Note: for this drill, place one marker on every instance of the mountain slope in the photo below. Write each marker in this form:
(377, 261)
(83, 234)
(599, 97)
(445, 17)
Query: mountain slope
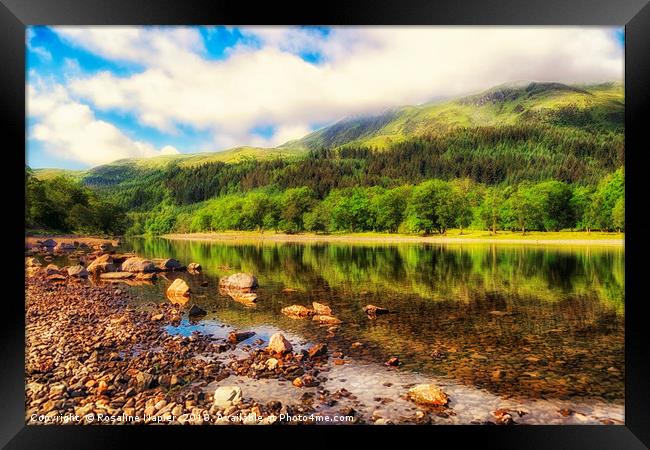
(585, 111)
(599, 107)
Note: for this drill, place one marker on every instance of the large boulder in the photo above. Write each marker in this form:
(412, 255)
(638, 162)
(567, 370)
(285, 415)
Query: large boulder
(179, 288)
(101, 264)
(136, 264)
(427, 394)
(279, 344)
(239, 281)
(227, 396)
(77, 271)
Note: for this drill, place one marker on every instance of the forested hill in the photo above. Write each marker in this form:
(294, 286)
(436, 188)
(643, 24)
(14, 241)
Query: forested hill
(595, 107)
(505, 137)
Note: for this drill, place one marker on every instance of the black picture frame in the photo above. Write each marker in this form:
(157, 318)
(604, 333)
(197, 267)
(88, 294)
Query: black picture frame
(15, 15)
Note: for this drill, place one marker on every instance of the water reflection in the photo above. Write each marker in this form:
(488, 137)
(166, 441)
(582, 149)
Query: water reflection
(562, 337)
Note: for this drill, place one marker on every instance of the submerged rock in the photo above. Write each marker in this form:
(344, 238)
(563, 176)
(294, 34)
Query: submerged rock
(226, 396)
(235, 337)
(116, 275)
(373, 311)
(427, 394)
(279, 344)
(322, 309)
(247, 298)
(329, 320)
(197, 311)
(297, 311)
(317, 350)
(239, 281)
(146, 276)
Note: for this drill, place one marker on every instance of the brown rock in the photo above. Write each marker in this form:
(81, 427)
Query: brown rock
(317, 350)
(393, 361)
(77, 271)
(427, 394)
(169, 264)
(32, 262)
(52, 269)
(279, 344)
(50, 243)
(146, 276)
(101, 264)
(137, 264)
(194, 267)
(178, 288)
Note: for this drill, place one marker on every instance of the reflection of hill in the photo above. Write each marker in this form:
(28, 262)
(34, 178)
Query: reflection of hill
(433, 272)
(565, 332)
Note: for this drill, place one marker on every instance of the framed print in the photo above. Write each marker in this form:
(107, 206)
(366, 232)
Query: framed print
(403, 214)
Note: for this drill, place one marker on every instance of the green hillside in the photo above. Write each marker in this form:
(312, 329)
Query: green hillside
(595, 106)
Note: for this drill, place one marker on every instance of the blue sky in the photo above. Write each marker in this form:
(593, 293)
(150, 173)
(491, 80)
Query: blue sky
(97, 94)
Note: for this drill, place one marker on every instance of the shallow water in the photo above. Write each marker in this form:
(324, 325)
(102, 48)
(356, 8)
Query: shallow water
(559, 345)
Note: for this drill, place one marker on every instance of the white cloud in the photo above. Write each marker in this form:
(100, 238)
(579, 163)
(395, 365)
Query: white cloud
(69, 129)
(365, 69)
(169, 150)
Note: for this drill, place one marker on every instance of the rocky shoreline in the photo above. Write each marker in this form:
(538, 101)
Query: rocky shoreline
(92, 358)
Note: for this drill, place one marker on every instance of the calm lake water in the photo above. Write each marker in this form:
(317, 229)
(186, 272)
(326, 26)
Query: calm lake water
(560, 343)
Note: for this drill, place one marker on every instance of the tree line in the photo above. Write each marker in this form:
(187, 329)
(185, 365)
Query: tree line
(428, 207)
(64, 205)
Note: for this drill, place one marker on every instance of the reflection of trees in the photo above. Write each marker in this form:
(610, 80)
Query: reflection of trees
(434, 272)
(558, 331)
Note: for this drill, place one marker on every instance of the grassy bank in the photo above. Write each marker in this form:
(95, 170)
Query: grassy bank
(452, 237)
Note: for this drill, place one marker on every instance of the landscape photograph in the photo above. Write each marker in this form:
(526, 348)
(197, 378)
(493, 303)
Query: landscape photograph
(342, 225)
